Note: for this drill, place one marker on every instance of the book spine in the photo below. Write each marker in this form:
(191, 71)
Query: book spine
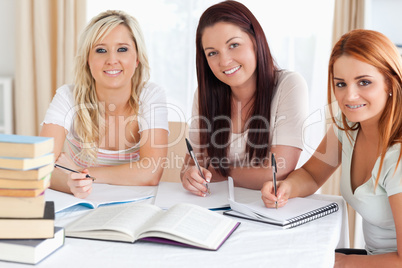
(312, 215)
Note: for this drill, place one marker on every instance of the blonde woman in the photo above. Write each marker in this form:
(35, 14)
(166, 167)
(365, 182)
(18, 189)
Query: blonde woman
(113, 119)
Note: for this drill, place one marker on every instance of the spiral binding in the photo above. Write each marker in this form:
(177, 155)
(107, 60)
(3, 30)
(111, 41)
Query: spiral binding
(312, 215)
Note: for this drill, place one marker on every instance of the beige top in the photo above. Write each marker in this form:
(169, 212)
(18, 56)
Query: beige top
(289, 110)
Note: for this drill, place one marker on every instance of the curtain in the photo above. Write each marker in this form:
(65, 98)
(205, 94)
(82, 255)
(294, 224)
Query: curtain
(46, 38)
(348, 15)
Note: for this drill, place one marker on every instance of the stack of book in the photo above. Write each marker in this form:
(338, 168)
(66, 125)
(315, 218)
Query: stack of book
(26, 164)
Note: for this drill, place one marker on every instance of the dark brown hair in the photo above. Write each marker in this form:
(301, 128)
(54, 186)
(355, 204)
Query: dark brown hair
(214, 96)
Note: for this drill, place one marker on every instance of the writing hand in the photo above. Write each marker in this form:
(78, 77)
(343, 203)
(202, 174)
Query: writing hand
(79, 184)
(193, 182)
(268, 195)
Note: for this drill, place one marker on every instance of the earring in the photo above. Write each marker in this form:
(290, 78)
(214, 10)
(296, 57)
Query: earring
(390, 94)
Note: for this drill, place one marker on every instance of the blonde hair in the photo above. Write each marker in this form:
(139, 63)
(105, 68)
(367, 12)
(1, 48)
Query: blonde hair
(89, 113)
(375, 49)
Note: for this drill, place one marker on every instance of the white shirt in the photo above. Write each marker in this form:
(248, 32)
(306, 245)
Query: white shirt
(152, 113)
(373, 204)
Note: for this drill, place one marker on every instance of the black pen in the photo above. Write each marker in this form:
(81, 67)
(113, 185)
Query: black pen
(190, 151)
(273, 165)
(87, 175)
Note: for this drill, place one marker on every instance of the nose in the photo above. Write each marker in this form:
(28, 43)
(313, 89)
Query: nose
(225, 59)
(112, 58)
(352, 93)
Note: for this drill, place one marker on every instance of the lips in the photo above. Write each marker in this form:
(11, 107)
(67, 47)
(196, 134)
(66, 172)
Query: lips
(355, 106)
(232, 70)
(112, 72)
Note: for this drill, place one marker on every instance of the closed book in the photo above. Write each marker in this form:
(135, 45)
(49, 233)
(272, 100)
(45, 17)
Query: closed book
(29, 228)
(30, 174)
(26, 184)
(21, 192)
(22, 207)
(25, 146)
(31, 251)
(26, 163)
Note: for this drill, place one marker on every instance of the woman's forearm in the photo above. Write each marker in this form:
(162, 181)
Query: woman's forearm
(145, 172)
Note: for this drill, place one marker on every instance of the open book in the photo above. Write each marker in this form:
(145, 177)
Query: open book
(296, 212)
(102, 194)
(171, 193)
(183, 224)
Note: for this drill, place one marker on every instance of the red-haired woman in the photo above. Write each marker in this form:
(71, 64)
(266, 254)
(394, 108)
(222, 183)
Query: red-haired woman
(245, 108)
(365, 76)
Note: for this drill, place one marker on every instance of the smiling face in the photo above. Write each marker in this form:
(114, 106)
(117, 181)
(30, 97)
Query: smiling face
(230, 54)
(113, 60)
(360, 90)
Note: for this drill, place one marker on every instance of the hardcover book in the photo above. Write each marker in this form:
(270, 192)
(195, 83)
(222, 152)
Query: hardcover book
(29, 228)
(22, 207)
(31, 251)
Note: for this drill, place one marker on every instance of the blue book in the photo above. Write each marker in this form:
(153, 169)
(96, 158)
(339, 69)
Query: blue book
(25, 146)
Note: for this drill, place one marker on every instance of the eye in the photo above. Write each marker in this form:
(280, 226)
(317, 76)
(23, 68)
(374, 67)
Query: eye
(210, 54)
(340, 84)
(122, 49)
(364, 82)
(100, 50)
(234, 45)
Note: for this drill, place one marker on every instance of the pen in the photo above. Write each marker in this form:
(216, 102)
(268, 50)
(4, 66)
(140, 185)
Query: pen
(87, 176)
(273, 164)
(190, 151)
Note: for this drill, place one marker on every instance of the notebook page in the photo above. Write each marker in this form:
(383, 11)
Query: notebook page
(172, 193)
(294, 207)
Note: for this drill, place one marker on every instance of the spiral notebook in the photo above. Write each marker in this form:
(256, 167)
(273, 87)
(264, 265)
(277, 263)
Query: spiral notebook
(296, 212)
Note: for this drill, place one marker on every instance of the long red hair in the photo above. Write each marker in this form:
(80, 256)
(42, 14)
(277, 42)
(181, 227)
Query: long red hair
(377, 50)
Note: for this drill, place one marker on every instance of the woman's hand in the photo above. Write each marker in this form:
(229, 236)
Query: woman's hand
(193, 182)
(268, 193)
(80, 185)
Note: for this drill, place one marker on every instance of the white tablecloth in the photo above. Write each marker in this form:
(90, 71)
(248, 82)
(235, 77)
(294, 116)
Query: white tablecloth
(253, 244)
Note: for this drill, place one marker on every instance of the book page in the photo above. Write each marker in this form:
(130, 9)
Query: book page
(105, 222)
(192, 225)
(172, 193)
(101, 194)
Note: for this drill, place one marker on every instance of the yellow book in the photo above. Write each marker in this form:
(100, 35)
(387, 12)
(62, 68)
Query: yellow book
(21, 192)
(25, 184)
(26, 163)
(25, 146)
(31, 174)
(22, 207)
